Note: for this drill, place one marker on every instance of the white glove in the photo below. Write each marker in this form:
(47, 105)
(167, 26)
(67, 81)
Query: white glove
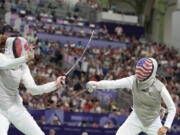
(91, 86)
(60, 81)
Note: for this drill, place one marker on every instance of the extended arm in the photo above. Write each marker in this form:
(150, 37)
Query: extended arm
(114, 84)
(111, 84)
(34, 89)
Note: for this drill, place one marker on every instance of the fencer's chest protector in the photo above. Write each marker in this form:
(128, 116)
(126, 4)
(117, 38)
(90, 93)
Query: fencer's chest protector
(11, 78)
(9, 84)
(147, 102)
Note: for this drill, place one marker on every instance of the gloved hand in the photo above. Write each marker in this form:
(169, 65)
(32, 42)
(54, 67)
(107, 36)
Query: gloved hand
(91, 86)
(60, 81)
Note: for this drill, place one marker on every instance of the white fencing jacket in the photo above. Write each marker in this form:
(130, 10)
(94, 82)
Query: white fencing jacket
(146, 96)
(12, 72)
(128, 83)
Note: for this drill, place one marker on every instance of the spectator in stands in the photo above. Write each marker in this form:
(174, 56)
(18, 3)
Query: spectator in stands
(55, 120)
(88, 106)
(84, 133)
(52, 132)
(7, 7)
(83, 123)
(119, 31)
(41, 105)
(94, 124)
(43, 120)
(96, 107)
(109, 124)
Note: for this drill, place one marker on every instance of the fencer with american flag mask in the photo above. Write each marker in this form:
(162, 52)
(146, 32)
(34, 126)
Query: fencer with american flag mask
(13, 70)
(147, 92)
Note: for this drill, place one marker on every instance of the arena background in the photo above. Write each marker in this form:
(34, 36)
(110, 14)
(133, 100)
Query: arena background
(125, 30)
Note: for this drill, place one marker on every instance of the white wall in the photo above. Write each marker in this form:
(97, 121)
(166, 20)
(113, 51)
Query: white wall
(71, 2)
(176, 29)
(155, 28)
(124, 7)
(178, 4)
(168, 22)
(114, 17)
(172, 24)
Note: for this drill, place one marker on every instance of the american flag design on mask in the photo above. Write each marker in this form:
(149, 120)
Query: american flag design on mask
(144, 68)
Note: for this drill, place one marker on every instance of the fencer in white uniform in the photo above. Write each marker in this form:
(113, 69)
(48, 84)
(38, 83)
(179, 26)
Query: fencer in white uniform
(147, 92)
(13, 70)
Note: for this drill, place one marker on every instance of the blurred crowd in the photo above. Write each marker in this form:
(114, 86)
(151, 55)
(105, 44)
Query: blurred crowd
(28, 26)
(97, 64)
(54, 58)
(82, 9)
(101, 32)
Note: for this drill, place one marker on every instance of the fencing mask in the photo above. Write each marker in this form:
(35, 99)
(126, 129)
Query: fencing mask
(146, 69)
(16, 47)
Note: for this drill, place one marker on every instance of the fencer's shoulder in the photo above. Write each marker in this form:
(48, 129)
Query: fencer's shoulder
(132, 77)
(129, 78)
(157, 81)
(158, 84)
(2, 55)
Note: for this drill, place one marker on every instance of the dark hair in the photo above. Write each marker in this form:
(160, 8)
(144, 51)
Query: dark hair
(3, 39)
